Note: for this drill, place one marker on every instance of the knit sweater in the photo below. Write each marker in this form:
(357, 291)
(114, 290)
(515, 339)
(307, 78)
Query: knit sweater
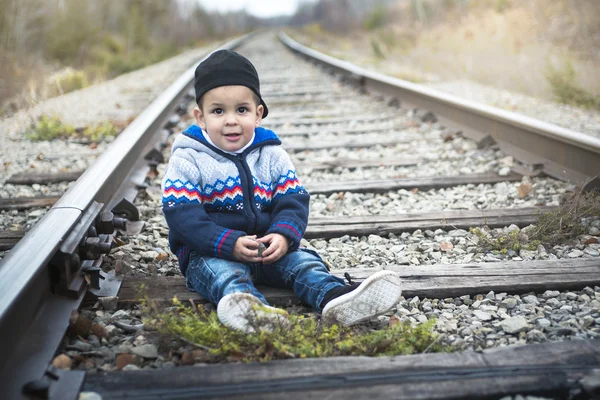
(211, 197)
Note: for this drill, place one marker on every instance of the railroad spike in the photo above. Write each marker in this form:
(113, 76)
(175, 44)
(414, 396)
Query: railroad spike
(39, 388)
(155, 155)
(107, 223)
(127, 210)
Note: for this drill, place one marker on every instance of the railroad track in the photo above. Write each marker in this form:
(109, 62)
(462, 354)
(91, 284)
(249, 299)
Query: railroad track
(389, 184)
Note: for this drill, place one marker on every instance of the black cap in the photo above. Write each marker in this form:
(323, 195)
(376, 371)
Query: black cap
(225, 68)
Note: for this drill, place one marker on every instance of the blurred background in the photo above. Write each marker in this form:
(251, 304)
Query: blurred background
(541, 48)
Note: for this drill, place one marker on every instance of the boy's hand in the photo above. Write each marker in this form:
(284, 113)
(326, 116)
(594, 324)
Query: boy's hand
(246, 249)
(277, 247)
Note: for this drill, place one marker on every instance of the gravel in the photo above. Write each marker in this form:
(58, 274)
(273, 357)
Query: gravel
(546, 192)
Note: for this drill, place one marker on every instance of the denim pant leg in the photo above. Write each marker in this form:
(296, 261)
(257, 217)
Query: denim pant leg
(213, 278)
(304, 272)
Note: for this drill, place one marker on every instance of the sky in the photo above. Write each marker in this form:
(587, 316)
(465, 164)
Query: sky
(259, 8)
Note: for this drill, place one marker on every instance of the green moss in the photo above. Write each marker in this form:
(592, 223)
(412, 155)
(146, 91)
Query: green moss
(305, 336)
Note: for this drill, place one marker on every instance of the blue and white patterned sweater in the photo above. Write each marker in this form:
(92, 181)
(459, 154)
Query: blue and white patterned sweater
(211, 198)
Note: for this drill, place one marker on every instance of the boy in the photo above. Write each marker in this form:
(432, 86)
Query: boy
(237, 212)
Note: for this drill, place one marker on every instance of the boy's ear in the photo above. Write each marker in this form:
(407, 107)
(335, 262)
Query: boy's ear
(259, 113)
(199, 117)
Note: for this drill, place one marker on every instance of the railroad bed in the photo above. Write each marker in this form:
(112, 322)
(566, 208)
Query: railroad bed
(391, 188)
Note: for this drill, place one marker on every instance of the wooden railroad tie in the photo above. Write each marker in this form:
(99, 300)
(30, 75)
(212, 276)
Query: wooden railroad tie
(425, 183)
(300, 145)
(407, 137)
(24, 203)
(431, 281)
(534, 369)
(384, 185)
(349, 163)
(43, 178)
(8, 239)
(328, 227)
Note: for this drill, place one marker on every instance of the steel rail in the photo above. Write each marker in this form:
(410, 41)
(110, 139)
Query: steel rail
(559, 152)
(33, 318)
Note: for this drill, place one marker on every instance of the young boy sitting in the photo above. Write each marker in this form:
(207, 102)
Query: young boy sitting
(237, 212)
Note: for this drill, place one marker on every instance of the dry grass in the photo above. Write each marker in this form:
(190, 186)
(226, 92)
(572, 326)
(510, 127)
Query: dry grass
(564, 225)
(506, 44)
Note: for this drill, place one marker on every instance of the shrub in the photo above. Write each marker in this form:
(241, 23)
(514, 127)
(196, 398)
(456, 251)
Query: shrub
(565, 88)
(552, 228)
(314, 29)
(67, 81)
(375, 19)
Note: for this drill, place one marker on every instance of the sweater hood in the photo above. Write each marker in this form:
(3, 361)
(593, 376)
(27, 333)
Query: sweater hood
(193, 138)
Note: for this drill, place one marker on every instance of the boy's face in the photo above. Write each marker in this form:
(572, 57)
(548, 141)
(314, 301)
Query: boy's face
(229, 116)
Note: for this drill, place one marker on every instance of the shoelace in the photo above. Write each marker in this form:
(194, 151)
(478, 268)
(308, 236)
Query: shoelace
(348, 278)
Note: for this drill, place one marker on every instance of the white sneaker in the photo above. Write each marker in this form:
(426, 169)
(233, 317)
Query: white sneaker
(245, 312)
(376, 295)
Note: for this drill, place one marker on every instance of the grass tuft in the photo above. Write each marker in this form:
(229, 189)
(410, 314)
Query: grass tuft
(305, 336)
(552, 228)
(50, 128)
(67, 81)
(568, 221)
(377, 49)
(565, 89)
(376, 19)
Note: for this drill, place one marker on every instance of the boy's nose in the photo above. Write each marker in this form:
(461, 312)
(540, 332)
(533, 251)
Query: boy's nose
(231, 119)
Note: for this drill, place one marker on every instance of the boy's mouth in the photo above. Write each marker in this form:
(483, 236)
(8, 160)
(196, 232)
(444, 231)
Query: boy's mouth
(232, 136)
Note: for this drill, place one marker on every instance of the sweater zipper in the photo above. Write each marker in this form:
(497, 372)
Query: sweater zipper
(248, 200)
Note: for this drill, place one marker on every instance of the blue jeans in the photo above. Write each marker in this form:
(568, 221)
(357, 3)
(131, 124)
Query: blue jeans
(302, 270)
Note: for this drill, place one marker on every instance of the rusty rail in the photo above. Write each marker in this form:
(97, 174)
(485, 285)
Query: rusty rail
(556, 151)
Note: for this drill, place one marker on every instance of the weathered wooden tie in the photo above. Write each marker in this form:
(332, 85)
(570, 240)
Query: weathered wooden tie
(565, 369)
(425, 183)
(303, 132)
(431, 281)
(23, 203)
(8, 239)
(323, 120)
(349, 163)
(298, 92)
(329, 227)
(43, 178)
(299, 145)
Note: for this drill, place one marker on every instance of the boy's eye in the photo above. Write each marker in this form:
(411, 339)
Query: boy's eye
(242, 110)
(218, 111)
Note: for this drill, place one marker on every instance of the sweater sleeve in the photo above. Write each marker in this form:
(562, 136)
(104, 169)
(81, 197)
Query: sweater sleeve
(290, 201)
(186, 217)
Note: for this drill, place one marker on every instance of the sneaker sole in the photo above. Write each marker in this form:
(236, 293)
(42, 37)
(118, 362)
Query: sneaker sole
(376, 295)
(234, 311)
